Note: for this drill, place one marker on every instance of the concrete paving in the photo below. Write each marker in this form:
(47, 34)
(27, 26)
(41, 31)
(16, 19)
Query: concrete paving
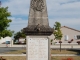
(12, 54)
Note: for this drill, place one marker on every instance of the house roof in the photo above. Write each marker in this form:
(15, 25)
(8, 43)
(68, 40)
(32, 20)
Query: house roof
(70, 28)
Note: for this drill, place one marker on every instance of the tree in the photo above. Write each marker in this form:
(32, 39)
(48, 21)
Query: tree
(57, 32)
(18, 35)
(7, 33)
(4, 22)
(51, 41)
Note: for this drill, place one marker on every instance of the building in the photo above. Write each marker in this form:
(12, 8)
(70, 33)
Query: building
(5, 40)
(70, 35)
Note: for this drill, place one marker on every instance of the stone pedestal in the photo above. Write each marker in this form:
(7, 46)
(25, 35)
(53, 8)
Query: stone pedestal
(38, 48)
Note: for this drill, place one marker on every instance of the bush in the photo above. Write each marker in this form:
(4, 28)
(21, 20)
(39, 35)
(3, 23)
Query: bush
(60, 41)
(78, 42)
(69, 41)
(69, 58)
(51, 40)
(2, 58)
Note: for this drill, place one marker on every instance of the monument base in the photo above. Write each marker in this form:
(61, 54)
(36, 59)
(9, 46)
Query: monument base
(38, 48)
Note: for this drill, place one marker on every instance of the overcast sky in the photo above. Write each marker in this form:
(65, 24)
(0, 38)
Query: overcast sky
(67, 12)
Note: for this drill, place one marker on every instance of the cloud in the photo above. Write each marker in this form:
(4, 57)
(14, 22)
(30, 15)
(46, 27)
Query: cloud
(17, 24)
(67, 12)
(18, 7)
(68, 9)
(73, 23)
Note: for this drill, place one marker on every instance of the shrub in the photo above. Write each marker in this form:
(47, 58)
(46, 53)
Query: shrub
(2, 58)
(60, 41)
(51, 40)
(69, 58)
(69, 41)
(78, 41)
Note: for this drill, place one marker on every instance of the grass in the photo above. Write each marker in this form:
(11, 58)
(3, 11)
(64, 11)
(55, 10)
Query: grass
(65, 57)
(52, 52)
(16, 52)
(65, 52)
(14, 57)
(52, 58)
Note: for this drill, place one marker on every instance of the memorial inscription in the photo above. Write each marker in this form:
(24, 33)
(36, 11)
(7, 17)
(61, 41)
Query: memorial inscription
(37, 49)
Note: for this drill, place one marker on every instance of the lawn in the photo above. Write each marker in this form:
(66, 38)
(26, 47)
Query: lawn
(57, 51)
(65, 57)
(52, 58)
(16, 52)
(14, 57)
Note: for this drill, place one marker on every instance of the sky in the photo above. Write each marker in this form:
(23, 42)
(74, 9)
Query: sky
(67, 12)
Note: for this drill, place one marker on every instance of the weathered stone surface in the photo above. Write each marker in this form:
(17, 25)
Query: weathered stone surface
(38, 19)
(36, 16)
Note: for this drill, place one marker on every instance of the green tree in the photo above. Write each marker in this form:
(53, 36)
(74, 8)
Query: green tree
(18, 35)
(7, 33)
(4, 22)
(57, 32)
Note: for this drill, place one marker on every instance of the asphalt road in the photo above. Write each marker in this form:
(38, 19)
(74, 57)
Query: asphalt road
(7, 49)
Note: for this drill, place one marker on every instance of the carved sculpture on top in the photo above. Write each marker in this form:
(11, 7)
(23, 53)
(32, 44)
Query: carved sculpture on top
(37, 5)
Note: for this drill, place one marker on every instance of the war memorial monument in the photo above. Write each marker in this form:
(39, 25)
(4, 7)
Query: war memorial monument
(37, 32)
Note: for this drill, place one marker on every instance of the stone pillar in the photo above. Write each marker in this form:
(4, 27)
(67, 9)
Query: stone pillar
(38, 13)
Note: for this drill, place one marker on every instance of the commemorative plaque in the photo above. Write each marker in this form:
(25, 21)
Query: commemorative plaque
(37, 49)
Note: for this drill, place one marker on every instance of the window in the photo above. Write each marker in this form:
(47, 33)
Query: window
(66, 37)
(75, 37)
(78, 36)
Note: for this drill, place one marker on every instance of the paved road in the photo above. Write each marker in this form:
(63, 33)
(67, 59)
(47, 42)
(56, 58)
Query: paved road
(7, 49)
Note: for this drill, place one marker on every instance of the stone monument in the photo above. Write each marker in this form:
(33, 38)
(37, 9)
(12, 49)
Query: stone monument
(37, 31)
